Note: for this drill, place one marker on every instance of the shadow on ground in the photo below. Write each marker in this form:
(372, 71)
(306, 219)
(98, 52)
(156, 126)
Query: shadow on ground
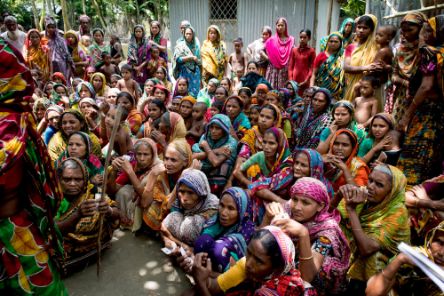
(133, 266)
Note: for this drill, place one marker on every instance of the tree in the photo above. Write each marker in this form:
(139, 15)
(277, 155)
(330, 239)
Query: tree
(352, 8)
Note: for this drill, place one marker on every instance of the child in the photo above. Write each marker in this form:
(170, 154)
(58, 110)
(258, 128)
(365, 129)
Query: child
(384, 56)
(85, 43)
(215, 108)
(366, 106)
(245, 94)
(127, 83)
(134, 117)
(108, 68)
(392, 151)
(198, 126)
(114, 80)
(261, 92)
(155, 62)
(122, 143)
(175, 103)
(253, 114)
(238, 58)
(236, 80)
(186, 110)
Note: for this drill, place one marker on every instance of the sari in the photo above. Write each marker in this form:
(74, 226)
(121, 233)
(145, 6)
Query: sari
(139, 52)
(82, 242)
(96, 50)
(30, 243)
(222, 243)
(241, 123)
(78, 53)
(362, 55)
(330, 74)
(345, 41)
(159, 39)
(187, 224)
(37, 58)
(218, 176)
(214, 57)
(189, 70)
(50, 130)
(386, 223)
(204, 95)
(326, 238)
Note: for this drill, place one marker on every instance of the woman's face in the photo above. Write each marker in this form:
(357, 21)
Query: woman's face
(98, 37)
(72, 181)
(138, 32)
(426, 35)
(334, 43)
(149, 85)
(266, 119)
(380, 128)
(40, 112)
(85, 107)
(72, 40)
(342, 146)
(160, 94)
(319, 102)
(155, 29)
(212, 35)
(409, 32)
(290, 89)
(35, 38)
(188, 198)
(144, 156)
(437, 248)
(125, 103)
(270, 145)
(173, 161)
(233, 108)
(252, 68)
(51, 30)
(342, 117)
(362, 32)
(154, 111)
(53, 118)
(379, 186)
(348, 29)
(160, 74)
(182, 86)
(76, 146)
(189, 35)
(84, 92)
(224, 83)
(185, 109)
(280, 27)
(301, 166)
(60, 90)
(49, 88)
(216, 132)
(111, 98)
(228, 215)
(220, 94)
(97, 83)
(303, 39)
(246, 99)
(211, 87)
(272, 100)
(304, 209)
(70, 124)
(258, 264)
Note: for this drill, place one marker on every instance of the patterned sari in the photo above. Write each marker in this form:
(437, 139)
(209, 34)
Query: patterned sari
(214, 57)
(37, 58)
(139, 52)
(78, 53)
(96, 50)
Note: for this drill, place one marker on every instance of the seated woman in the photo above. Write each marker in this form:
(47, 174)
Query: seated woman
(234, 109)
(83, 90)
(343, 118)
(193, 205)
(162, 93)
(49, 125)
(129, 186)
(90, 110)
(79, 146)
(159, 191)
(267, 269)
(322, 247)
(377, 222)
(314, 120)
(155, 109)
(186, 110)
(71, 121)
(217, 151)
(39, 108)
(206, 94)
(402, 277)
(227, 234)
(98, 81)
(78, 214)
(171, 127)
(135, 118)
(268, 174)
(274, 98)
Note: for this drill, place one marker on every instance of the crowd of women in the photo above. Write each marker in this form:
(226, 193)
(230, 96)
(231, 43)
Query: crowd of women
(275, 171)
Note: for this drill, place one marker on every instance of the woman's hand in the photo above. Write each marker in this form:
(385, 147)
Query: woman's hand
(159, 137)
(273, 209)
(223, 150)
(104, 208)
(87, 208)
(403, 123)
(204, 146)
(353, 195)
(158, 170)
(338, 163)
(386, 141)
(202, 267)
(291, 227)
(333, 127)
(126, 166)
(196, 164)
(97, 179)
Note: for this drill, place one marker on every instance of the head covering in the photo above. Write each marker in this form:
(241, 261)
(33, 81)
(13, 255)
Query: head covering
(214, 54)
(41, 102)
(59, 75)
(279, 51)
(101, 91)
(176, 125)
(79, 88)
(286, 247)
(188, 99)
(156, 161)
(165, 90)
(89, 101)
(388, 118)
(54, 108)
(354, 143)
(283, 149)
(77, 114)
(262, 87)
(430, 237)
(347, 40)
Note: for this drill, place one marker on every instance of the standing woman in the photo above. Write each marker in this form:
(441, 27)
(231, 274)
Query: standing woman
(139, 54)
(187, 61)
(79, 57)
(360, 55)
(328, 71)
(347, 30)
(278, 50)
(421, 155)
(214, 55)
(36, 55)
(157, 39)
(302, 58)
(256, 50)
(98, 47)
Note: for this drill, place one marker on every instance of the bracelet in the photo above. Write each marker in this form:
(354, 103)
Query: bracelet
(306, 258)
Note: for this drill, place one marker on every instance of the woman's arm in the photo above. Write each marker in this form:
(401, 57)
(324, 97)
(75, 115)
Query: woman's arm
(239, 175)
(268, 195)
(213, 158)
(366, 245)
(291, 64)
(356, 69)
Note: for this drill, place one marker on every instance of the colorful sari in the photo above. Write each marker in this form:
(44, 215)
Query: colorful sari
(222, 243)
(345, 41)
(139, 52)
(78, 54)
(30, 242)
(241, 123)
(96, 50)
(214, 57)
(385, 223)
(102, 91)
(37, 58)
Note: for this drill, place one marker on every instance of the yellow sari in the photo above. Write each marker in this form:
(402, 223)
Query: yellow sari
(214, 57)
(37, 58)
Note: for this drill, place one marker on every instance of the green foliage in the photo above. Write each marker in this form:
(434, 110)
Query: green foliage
(352, 8)
(20, 9)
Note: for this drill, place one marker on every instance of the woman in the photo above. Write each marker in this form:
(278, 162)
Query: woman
(78, 216)
(181, 88)
(347, 30)
(343, 118)
(316, 118)
(36, 55)
(267, 269)
(214, 55)
(377, 222)
(156, 39)
(227, 234)
(324, 253)
(421, 155)
(155, 109)
(98, 47)
(160, 189)
(256, 48)
(98, 81)
(186, 110)
(162, 75)
(342, 166)
(171, 127)
(139, 54)
(80, 146)
(134, 118)
(234, 108)
(252, 79)
(206, 94)
(278, 51)
(128, 186)
(187, 61)
(52, 117)
(162, 93)
(217, 151)
(39, 108)
(59, 56)
(78, 55)
(83, 90)
(268, 174)
(359, 56)
(405, 65)
(71, 121)
(193, 206)
(328, 71)
(300, 66)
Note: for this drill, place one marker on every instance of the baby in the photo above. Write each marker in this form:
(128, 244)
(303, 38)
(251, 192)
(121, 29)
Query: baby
(366, 106)
(392, 151)
(127, 83)
(198, 125)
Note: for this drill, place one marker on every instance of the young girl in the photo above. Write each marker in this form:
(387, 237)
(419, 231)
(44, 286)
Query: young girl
(134, 117)
(162, 75)
(155, 109)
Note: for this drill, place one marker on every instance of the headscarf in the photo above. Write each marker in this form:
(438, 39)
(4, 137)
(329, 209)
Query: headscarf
(37, 56)
(138, 52)
(353, 126)
(55, 97)
(176, 125)
(41, 101)
(78, 52)
(101, 91)
(89, 101)
(214, 55)
(437, 25)
(83, 18)
(279, 51)
(188, 99)
(241, 123)
(76, 97)
(54, 108)
(347, 40)
(429, 238)
(59, 75)
(181, 146)
(156, 160)
(184, 49)
(166, 91)
(325, 224)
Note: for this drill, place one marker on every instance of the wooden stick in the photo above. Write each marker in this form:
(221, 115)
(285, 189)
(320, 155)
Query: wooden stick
(112, 139)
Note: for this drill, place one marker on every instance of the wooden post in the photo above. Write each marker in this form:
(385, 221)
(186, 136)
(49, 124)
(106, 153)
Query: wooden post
(330, 12)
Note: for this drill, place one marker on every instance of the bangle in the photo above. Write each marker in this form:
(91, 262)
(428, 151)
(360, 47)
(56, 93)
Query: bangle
(306, 258)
